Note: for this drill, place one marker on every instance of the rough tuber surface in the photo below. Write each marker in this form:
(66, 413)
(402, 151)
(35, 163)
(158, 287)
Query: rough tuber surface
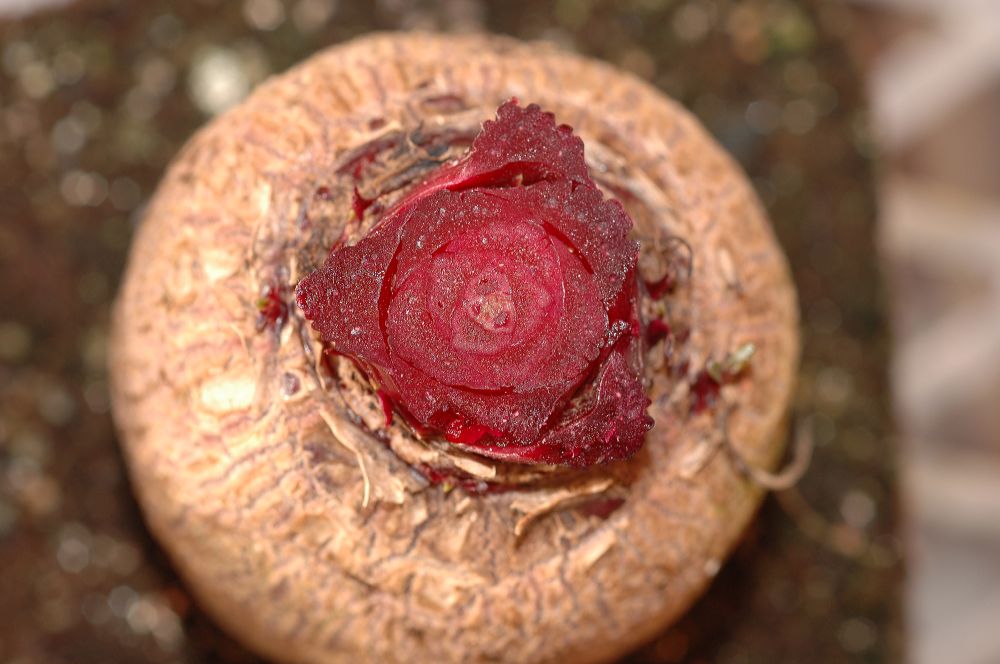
(318, 529)
(494, 293)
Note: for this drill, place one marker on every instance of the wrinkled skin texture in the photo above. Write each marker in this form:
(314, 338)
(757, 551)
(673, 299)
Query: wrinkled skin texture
(496, 303)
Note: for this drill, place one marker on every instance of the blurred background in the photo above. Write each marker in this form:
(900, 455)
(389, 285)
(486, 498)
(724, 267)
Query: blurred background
(933, 73)
(871, 130)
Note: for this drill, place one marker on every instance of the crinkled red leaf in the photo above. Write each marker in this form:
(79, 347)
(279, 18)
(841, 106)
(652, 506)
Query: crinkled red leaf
(612, 427)
(497, 297)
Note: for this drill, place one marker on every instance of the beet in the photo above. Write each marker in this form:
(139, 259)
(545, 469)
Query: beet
(484, 300)
(315, 532)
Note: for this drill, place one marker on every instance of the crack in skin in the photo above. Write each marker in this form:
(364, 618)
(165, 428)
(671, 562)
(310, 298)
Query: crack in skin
(236, 463)
(570, 591)
(602, 605)
(405, 553)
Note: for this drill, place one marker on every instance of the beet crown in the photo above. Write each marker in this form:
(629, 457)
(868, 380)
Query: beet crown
(496, 302)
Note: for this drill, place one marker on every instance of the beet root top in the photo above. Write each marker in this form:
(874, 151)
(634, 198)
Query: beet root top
(495, 294)
(320, 520)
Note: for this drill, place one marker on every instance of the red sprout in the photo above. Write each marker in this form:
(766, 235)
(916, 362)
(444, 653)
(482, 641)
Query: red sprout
(704, 392)
(657, 330)
(272, 308)
(496, 301)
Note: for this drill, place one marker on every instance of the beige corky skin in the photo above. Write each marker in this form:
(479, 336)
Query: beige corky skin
(294, 514)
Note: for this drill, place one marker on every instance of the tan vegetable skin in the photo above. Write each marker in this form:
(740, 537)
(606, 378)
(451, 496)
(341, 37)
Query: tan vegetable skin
(297, 517)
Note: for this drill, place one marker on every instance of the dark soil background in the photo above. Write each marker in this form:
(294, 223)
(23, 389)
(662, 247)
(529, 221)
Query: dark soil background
(97, 97)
